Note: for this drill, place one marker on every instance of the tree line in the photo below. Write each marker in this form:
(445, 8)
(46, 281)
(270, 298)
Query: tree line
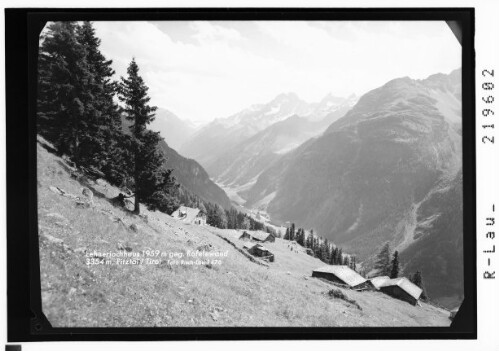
(320, 247)
(79, 113)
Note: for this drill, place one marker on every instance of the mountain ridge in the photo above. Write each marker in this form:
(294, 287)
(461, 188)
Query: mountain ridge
(210, 144)
(357, 183)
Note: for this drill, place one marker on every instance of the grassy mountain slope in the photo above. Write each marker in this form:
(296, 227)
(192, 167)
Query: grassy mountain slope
(236, 293)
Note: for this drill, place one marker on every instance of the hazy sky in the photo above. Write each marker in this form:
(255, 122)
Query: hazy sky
(210, 69)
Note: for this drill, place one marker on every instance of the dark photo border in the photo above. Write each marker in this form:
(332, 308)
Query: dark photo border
(25, 320)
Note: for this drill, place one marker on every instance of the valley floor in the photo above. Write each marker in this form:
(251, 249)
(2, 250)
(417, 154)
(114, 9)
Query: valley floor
(237, 292)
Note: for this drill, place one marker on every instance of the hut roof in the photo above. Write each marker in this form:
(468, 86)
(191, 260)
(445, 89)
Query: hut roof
(248, 246)
(345, 273)
(261, 247)
(258, 234)
(186, 214)
(406, 285)
(379, 281)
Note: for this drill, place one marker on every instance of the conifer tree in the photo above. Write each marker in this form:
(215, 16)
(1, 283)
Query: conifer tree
(151, 180)
(292, 232)
(382, 264)
(103, 146)
(64, 93)
(332, 258)
(394, 273)
(417, 279)
(216, 216)
(325, 251)
(301, 237)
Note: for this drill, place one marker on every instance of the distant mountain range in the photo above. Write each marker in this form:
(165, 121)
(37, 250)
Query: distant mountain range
(236, 149)
(389, 170)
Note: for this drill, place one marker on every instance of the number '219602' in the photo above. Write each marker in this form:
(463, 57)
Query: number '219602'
(488, 98)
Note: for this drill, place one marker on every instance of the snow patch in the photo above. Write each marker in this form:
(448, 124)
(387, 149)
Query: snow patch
(273, 110)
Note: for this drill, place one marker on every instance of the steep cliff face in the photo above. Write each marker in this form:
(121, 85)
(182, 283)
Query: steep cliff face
(437, 247)
(369, 178)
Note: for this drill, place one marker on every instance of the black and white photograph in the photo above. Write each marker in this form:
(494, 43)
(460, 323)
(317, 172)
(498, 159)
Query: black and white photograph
(249, 173)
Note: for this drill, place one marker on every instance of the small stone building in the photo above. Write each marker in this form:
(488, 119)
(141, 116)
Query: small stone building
(402, 289)
(343, 275)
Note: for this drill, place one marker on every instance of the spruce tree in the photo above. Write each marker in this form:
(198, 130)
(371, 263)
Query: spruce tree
(103, 147)
(216, 216)
(286, 236)
(151, 180)
(382, 264)
(64, 93)
(417, 279)
(301, 237)
(292, 232)
(394, 273)
(353, 264)
(332, 258)
(325, 251)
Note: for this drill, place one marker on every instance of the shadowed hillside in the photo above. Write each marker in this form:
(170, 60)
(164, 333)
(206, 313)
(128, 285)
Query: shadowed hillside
(367, 179)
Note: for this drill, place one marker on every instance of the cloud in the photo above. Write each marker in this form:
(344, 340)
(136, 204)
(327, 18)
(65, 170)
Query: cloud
(212, 32)
(219, 68)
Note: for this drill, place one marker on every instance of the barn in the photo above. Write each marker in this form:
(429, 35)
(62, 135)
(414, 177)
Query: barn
(342, 275)
(189, 215)
(377, 282)
(402, 289)
(259, 250)
(258, 236)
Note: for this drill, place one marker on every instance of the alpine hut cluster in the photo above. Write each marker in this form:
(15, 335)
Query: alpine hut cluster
(399, 288)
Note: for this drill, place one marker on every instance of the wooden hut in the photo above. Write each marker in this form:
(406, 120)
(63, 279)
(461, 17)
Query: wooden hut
(258, 236)
(402, 289)
(261, 251)
(343, 275)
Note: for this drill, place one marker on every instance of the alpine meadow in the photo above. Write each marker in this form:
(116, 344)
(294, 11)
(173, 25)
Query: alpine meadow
(241, 174)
